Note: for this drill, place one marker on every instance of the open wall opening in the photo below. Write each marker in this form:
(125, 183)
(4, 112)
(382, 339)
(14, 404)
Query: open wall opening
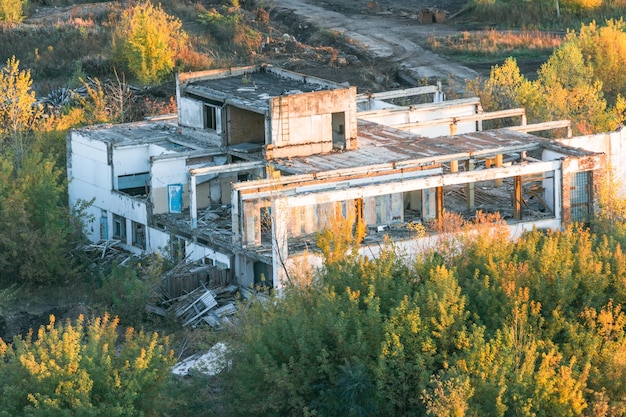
(339, 130)
(134, 184)
(245, 126)
(515, 198)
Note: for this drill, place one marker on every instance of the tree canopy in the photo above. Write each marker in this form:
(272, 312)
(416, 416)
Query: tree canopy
(147, 41)
(581, 81)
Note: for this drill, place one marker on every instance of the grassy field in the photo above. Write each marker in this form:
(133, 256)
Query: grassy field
(494, 45)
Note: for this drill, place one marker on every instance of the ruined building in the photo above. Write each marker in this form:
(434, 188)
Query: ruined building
(259, 159)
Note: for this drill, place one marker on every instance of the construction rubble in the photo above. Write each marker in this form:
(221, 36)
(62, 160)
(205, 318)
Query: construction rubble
(197, 294)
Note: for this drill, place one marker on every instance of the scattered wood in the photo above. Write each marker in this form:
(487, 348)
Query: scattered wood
(104, 246)
(191, 293)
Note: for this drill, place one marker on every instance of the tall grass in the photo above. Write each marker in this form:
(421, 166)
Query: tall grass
(495, 44)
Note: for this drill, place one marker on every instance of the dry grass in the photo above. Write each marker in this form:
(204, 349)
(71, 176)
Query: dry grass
(496, 43)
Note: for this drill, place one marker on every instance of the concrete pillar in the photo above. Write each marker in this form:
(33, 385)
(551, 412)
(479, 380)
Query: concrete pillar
(469, 187)
(454, 166)
(280, 244)
(234, 212)
(429, 204)
(193, 203)
(517, 198)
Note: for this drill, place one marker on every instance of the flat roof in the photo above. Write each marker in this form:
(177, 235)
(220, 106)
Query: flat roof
(255, 85)
(165, 134)
(379, 144)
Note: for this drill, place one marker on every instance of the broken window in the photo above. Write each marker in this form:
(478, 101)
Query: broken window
(579, 197)
(134, 184)
(139, 235)
(119, 227)
(210, 117)
(177, 248)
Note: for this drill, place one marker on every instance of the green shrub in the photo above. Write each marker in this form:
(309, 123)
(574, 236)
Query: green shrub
(148, 41)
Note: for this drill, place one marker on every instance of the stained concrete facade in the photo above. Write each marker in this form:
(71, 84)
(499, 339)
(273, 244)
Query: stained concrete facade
(258, 160)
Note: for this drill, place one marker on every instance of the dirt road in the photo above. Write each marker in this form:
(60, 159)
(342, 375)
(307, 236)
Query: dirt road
(389, 31)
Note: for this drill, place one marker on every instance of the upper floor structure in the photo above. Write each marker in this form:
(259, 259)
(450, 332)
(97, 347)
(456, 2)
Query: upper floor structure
(259, 159)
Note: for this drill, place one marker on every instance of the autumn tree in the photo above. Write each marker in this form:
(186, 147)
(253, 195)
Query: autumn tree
(581, 82)
(572, 92)
(83, 368)
(12, 11)
(19, 111)
(604, 47)
(507, 88)
(148, 41)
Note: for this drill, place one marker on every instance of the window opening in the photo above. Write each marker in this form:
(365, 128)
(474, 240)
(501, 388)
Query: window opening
(119, 227)
(210, 117)
(139, 235)
(579, 197)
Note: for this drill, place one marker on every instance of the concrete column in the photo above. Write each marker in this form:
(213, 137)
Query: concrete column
(454, 166)
(429, 204)
(280, 244)
(469, 187)
(252, 223)
(235, 217)
(193, 204)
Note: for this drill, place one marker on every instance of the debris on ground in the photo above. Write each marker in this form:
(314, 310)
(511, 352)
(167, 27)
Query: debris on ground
(197, 294)
(209, 363)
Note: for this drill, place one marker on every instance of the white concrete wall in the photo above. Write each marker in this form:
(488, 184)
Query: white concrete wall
(158, 241)
(197, 252)
(426, 112)
(301, 124)
(613, 144)
(91, 178)
(190, 113)
(163, 173)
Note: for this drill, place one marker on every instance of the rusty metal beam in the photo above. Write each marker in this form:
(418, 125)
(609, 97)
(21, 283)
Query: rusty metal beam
(517, 198)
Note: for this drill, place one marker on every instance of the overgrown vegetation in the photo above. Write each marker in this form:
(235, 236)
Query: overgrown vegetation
(482, 327)
(84, 368)
(12, 11)
(578, 82)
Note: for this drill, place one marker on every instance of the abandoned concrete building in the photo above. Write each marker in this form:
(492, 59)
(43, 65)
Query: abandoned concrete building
(259, 159)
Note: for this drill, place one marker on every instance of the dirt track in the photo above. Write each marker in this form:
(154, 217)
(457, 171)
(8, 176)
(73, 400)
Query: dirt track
(388, 31)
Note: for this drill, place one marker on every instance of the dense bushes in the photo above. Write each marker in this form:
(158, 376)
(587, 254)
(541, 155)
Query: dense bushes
(532, 327)
(84, 369)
